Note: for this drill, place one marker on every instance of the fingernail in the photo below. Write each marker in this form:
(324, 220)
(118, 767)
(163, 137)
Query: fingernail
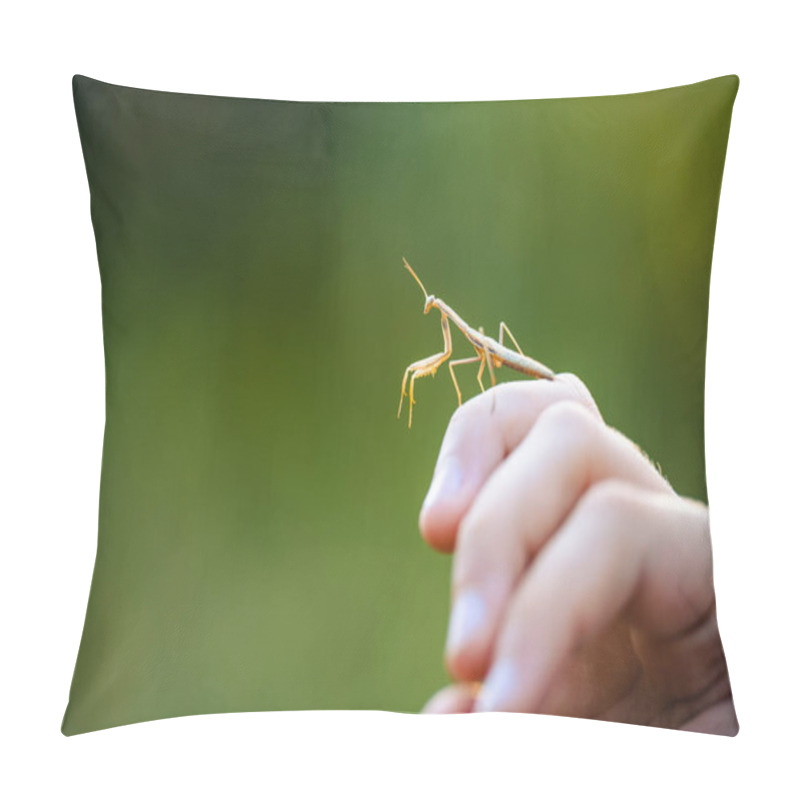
(446, 481)
(499, 687)
(467, 618)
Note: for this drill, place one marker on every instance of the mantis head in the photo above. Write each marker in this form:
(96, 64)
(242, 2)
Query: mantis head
(430, 300)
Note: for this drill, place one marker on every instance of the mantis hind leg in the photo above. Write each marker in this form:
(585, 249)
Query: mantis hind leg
(504, 327)
(487, 360)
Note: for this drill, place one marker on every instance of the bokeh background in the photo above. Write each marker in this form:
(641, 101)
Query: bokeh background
(258, 547)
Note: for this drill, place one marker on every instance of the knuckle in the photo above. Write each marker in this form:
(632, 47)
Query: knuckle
(571, 425)
(608, 501)
(569, 417)
(582, 394)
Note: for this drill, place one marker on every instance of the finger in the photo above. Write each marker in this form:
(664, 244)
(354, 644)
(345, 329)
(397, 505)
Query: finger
(624, 551)
(456, 699)
(480, 435)
(524, 501)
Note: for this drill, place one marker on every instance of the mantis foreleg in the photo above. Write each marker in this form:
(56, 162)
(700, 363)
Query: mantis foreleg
(423, 367)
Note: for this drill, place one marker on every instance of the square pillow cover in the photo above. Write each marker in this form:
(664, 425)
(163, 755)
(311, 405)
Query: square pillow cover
(258, 546)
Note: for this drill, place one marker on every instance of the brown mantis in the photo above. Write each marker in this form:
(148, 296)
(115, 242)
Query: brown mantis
(488, 352)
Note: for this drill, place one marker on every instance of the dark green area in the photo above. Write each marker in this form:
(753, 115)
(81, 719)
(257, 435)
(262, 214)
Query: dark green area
(258, 546)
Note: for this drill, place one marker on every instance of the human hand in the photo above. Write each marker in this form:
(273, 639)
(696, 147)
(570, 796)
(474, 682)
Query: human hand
(582, 583)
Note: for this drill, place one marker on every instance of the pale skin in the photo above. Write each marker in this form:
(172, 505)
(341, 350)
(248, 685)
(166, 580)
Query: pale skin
(582, 583)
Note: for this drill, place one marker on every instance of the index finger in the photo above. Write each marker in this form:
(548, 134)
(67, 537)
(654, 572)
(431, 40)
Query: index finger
(480, 435)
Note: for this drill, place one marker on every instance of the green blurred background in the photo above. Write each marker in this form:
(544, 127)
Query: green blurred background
(258, 546)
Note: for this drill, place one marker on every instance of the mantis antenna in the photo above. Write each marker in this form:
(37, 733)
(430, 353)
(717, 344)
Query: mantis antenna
(408, 267)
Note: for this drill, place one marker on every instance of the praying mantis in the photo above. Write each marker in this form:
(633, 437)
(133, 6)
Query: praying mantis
(489, 352)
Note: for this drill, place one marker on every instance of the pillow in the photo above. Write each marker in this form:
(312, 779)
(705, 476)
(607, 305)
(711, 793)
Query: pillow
(257, 543)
